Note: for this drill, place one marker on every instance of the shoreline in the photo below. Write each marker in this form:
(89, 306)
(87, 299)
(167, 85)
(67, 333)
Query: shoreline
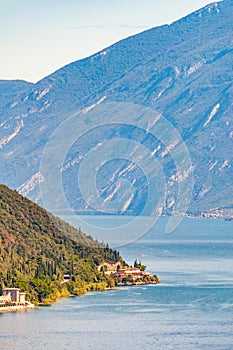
(15, 308)
(136, 284)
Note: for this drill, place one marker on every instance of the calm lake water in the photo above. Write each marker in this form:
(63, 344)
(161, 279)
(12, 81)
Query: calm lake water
(192, 308)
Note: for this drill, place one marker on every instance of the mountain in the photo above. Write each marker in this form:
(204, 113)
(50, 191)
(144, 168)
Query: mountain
(9, 89)
(182, 72)
(37, 250)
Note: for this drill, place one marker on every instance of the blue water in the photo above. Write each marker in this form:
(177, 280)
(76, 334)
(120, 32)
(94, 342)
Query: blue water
(192, 308)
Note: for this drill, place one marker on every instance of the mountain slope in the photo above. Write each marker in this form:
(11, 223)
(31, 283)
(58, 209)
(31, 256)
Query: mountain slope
(37, 249)
(182, 71)
(9, 89)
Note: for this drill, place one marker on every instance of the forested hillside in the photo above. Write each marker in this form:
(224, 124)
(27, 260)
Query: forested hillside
(37, 250)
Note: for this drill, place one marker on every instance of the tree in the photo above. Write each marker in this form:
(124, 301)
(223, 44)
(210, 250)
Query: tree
(111, 283)
(139, 265)
(142, 267)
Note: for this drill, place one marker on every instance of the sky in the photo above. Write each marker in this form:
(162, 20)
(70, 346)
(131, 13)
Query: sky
(38, 37)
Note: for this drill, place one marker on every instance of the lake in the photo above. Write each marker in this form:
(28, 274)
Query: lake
(192, 308)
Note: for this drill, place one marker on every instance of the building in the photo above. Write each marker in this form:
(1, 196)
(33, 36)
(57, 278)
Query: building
(5, 299)
(22, 298)
(67, 277)
(13, 296)
(131, 272)
(13, 293)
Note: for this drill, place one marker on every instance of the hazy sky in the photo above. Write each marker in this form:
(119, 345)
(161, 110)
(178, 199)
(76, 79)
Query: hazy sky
(40, 36)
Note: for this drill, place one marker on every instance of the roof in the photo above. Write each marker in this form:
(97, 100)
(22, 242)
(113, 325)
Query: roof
(11, 289)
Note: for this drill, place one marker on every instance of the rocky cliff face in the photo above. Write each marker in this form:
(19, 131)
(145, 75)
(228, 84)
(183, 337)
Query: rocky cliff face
(182, 72)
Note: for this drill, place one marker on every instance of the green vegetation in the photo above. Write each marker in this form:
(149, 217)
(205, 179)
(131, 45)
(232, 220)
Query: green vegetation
(37, 250)
(139, 265)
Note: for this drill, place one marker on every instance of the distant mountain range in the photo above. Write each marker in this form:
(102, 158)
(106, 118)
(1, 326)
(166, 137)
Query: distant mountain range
(183, 72)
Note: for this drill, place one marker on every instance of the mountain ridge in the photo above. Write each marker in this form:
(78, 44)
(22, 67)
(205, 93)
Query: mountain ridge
(182, 71)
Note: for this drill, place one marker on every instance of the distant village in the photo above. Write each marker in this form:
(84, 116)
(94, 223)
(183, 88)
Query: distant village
(127, 276)
(13, 300)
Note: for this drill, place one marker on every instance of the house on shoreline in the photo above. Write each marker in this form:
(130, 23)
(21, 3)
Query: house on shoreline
(134, 276)
(13, 299)
(127, 276)
(13, 295)
(133, 272)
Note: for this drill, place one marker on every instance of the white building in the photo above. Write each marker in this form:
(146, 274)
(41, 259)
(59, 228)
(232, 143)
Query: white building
(13, 295)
